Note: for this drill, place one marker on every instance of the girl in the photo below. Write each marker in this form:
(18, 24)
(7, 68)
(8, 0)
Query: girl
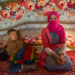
(54, 55)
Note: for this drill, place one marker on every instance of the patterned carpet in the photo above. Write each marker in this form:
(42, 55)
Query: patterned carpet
(4, 66)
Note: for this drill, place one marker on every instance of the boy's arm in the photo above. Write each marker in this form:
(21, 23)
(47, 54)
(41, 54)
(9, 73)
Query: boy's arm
(20, 45)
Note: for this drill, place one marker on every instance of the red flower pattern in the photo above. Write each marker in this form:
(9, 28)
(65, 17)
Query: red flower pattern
(61, 4)
(46, 10)
(34, 10)
(22, 3)
(19, 15)
(29, 5)
(37, 6)
(53, 1)
(0, 12)
(66, 9)
(47, 4)
(5, 13)
(70, 4)
(15, 7)
(11, 12)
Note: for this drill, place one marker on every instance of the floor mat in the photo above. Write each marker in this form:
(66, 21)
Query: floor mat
(4, 66)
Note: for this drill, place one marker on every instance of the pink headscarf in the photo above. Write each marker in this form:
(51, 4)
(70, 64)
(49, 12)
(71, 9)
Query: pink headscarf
(55, 27)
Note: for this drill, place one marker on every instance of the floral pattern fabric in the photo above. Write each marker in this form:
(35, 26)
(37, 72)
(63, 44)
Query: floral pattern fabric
(31, 10)
(27, 10)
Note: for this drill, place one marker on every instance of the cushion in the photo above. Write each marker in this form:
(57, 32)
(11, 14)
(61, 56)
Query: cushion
(24, 56)
(14, 68)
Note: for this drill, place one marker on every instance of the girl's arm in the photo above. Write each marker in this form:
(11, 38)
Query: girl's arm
(63, 49)
(49, 51)
(63, 42)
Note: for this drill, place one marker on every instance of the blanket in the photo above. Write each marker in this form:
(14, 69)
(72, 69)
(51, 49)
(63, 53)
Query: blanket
(24, 56)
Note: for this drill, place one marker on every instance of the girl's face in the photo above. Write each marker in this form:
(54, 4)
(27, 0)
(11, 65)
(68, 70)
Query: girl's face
(52, 18)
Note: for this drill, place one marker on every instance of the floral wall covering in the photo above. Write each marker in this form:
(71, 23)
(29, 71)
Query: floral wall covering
(35, 10)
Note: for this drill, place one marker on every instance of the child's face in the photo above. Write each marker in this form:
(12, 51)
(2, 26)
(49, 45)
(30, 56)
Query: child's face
(52, 18)
(13, 35)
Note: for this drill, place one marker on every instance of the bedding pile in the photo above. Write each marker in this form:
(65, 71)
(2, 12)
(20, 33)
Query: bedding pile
(24, 56)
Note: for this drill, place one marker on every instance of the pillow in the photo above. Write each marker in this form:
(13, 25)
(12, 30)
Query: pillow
(24, 56)
(14, 68)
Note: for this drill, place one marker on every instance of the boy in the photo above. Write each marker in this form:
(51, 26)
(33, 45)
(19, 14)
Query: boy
(13, 45)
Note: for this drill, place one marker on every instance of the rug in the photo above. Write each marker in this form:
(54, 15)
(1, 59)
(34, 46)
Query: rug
(4, 66)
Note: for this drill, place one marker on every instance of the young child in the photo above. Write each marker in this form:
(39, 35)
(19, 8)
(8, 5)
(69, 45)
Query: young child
(13, 45)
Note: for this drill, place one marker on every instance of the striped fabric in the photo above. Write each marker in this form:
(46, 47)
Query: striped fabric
(25, 56)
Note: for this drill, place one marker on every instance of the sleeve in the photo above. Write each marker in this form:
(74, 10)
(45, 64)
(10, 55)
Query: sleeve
(46, 43)
(63, 49)
(49, 51)
(20, 45)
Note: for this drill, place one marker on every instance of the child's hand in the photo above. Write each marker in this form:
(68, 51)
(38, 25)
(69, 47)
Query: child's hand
(14, 51)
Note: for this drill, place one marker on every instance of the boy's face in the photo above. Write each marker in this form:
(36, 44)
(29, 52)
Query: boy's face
(12, 35)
